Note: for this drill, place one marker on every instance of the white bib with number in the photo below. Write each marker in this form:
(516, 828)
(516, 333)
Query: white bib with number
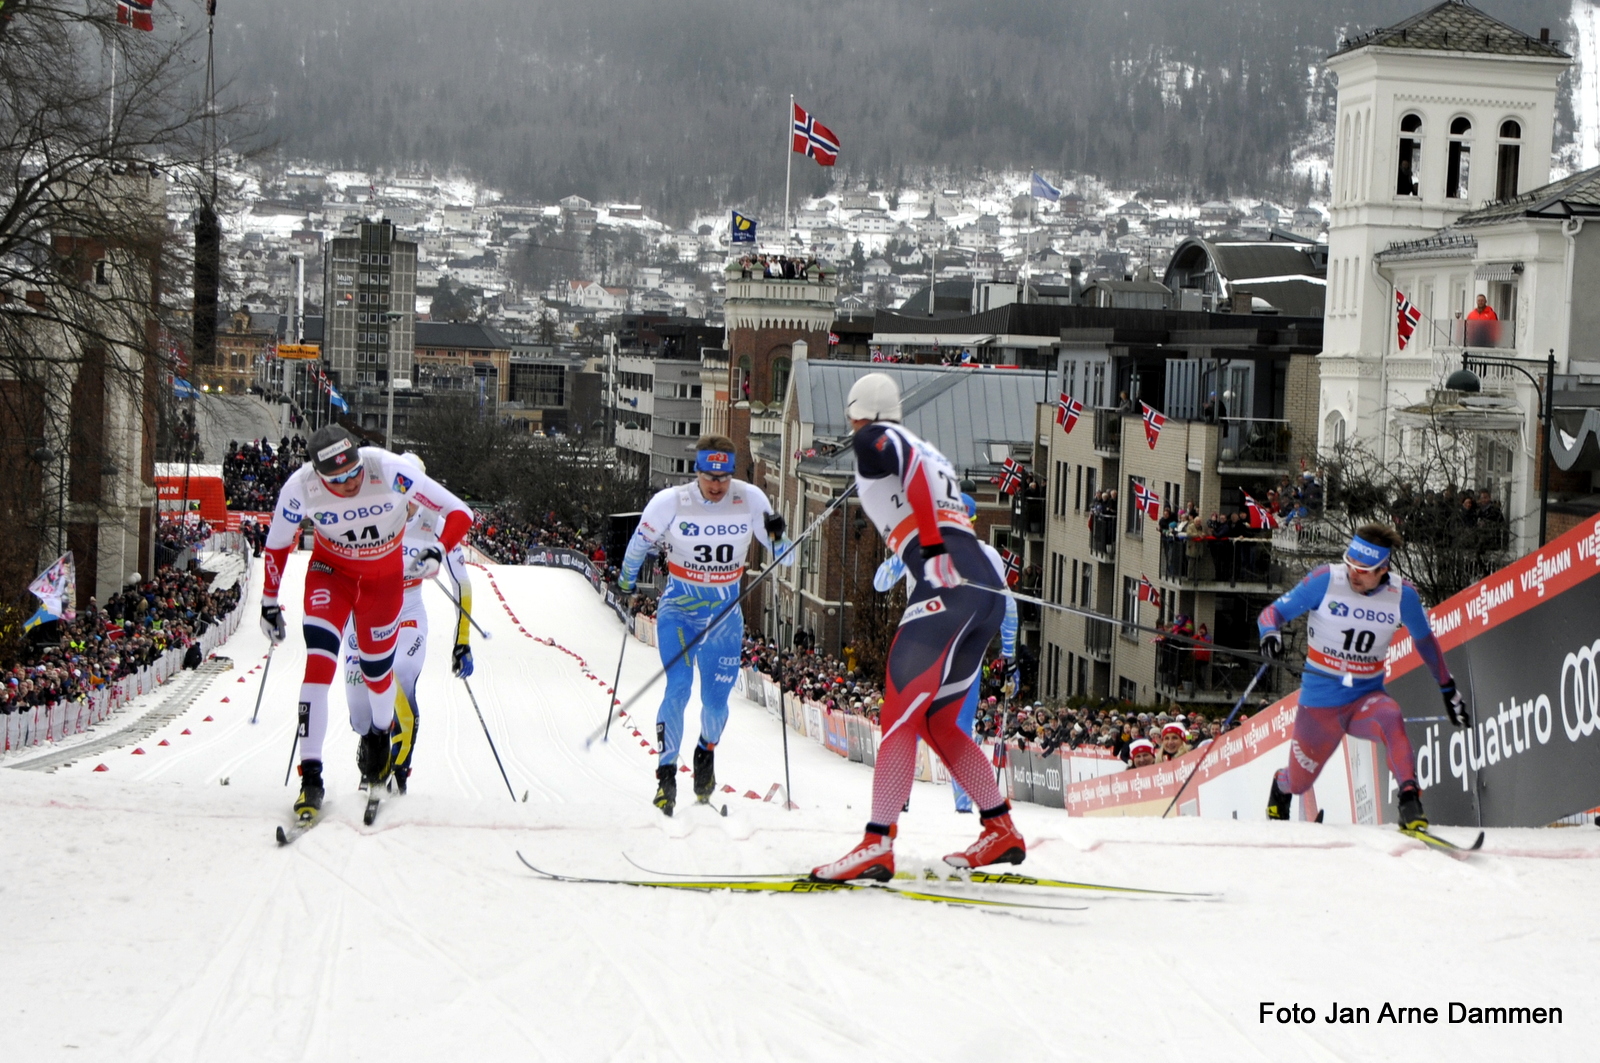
(1349, 633)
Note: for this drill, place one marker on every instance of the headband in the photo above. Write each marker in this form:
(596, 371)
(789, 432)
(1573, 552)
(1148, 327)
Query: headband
(1363, 554)
(713, 461)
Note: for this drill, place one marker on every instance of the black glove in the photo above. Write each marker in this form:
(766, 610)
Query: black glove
(272, 623)
(461, 660)
(1456, 705)
(776, 526)
(1272, 646)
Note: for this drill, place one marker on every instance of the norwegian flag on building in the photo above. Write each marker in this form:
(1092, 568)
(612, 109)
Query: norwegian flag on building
(1067, 411)
(1154, 422)
(1260, 516)
(1149, 592)
(814, 139)
(136, 13)
(1009, 478)
(1146, 501)
(1406, 317)
(1013, 563)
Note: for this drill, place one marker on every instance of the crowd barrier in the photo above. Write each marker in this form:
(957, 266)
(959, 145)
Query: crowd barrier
(577, 561)
(58, 720)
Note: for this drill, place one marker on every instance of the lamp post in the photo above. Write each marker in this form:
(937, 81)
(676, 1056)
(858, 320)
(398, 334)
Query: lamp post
(1466, 381)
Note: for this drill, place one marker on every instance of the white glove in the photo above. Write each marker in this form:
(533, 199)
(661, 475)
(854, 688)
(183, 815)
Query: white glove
(892, 571)
(784, 553)
(939, 568)
(426, 564)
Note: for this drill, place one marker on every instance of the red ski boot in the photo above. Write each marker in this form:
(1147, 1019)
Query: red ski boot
(873, 859)
(998, 844)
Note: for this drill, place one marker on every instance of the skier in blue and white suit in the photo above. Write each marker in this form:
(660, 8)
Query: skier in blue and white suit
(702, 530)
(894, 569)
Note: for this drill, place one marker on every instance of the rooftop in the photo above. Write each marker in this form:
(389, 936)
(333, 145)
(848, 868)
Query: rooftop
(1455, 26)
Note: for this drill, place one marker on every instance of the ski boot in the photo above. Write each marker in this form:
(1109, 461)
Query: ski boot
(872, 859)
(372, 758)
(666, 788)
(400, 775)
(1278, 802)
(402, 739)
(705, 773)
(308, 806)
(1000, 842)
(1412, 817)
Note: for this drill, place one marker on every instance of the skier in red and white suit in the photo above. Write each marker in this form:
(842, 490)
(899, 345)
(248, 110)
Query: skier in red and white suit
(356, 501)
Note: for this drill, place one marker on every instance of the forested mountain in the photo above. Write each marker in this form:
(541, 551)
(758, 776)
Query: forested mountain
(683, 102)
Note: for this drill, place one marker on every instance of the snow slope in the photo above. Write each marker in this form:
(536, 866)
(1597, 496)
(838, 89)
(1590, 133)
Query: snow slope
(150, 915)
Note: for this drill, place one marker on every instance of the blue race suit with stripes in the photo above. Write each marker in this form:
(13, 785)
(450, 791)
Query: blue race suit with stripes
(704, 545)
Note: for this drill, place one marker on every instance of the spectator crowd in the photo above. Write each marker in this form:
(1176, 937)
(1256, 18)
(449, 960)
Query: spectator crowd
(253, 472)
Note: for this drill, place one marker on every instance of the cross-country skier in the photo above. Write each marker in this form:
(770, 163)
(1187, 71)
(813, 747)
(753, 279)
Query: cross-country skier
(894, 569)
(909, 490)
(702, 530)
(356, 500)
(422, 550)
(1355, 607)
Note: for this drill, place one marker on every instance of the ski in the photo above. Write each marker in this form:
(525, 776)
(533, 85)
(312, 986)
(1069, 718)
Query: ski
(1428, 838)
(372, 809)
(295, 830)
(795, 885)
(976, 878)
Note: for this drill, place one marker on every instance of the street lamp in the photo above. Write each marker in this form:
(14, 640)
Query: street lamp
(1466, 381)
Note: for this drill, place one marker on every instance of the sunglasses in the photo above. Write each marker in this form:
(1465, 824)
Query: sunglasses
(717, 477)
(344, 477)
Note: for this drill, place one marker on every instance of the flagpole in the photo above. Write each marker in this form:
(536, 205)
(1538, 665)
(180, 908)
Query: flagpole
(111, 110)
(788, 170)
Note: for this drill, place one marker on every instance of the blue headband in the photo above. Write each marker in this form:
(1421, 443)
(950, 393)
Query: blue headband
(1365, 555)
(713, 461)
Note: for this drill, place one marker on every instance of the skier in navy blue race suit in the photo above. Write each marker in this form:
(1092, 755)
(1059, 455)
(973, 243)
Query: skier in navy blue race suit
(894, 569)
(909, 490)
(702, 531)
(1354, 609)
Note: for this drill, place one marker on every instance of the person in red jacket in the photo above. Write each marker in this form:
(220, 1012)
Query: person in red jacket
(355, 499)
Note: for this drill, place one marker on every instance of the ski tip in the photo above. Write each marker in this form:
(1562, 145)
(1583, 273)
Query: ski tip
(724, 810)
(1477, 843)
(283, 836)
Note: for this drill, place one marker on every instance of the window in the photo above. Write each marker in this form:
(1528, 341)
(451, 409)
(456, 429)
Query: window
(1405, 181)
(1077, 491)
(1127, 690)
(385, 262)
(1458, 167)
(1173, 498)
(741, 380)
(1130, 608)
(1072, 588)
(1086, 574)
(780, 378)
(1509, 161)
(1134, 523)
(686, 428)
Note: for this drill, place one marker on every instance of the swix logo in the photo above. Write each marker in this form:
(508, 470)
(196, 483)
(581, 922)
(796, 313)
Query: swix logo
(1338, 609)
(320, 598)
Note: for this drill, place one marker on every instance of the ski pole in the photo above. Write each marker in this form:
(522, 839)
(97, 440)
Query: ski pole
(726, 610)
(265, 669)
(783, 722)
(457, 603)
(1426, 719)
(490, 737)
(292, 749)
(626, 634)
(1213, 747)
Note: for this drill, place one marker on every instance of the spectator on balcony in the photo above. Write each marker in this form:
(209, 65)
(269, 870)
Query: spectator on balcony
(1214, 411)
(1124, 404)
(1174, 741)
(1141, 753)
(1482, 311)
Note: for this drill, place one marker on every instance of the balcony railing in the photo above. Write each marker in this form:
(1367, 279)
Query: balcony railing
(1027, 514)
(1223, 561)
(1107, 430)
(1463, 332)
(1097, 639)
(1257, 442)
(1103, 535)
(1190, 671)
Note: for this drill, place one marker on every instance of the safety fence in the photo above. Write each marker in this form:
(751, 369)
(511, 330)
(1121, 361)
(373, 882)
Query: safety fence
(39, 724)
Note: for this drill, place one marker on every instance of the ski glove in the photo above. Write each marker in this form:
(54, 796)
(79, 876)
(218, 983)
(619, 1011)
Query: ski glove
(939, 568)
(272, 624)
(1272, 646)
(426, 565)
(461, 660)
(892, 571)
(776, 527)
(1456, 705)
(784, 553)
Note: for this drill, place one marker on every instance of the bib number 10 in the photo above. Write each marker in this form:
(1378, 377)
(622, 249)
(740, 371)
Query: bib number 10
(703, 553)
(1360, 641)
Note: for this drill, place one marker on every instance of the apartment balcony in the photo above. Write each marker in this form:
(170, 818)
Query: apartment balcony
(1253, 445)
(1478, 335)
(1103, 536)
(1207, 676)
(1097, 639)
(1107, 431)
(1209, 564)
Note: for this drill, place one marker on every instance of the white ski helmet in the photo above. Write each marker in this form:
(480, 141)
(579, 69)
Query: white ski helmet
(412, 457)
(874, 397)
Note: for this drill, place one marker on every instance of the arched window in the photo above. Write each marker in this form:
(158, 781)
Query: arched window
(1333, 429)
(780, 379)
(1458, 166)
(741, 380)
(1406, 170)
(1509, 160)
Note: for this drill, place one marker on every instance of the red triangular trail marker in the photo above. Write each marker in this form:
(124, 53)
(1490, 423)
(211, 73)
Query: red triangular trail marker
(101, 767)
(138, 751)
(163, 742)
(728, 789)
(752, 795)
(187, 731)
(224, 701)
(207, 720)
(683, 767)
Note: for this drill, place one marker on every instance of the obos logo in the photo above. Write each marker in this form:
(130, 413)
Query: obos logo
(685, 528)
(1339, 609)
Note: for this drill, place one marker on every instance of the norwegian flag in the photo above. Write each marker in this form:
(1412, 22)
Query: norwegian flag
(1013, 563)
(813, 138)
(1146, 501)
(1154, 422)
(1009, 478)
(1260, 516)
(1406, 317)
(1149, 592)
(136, 13)
(1067, 411)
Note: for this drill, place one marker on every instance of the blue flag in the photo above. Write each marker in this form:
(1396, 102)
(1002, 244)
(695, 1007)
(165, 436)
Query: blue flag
(336, 398)
(1043, 189)
(744, 229)
(40, 616)
(183, 388)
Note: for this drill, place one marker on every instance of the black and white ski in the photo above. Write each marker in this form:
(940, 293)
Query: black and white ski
(294, 831)
(371, 812)
(1432, 840)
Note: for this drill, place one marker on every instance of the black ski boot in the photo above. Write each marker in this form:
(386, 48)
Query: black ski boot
(705, 773)
(1278, 802)
(1411, 815)
(666, 788)
(372, 758)
(308, 806)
